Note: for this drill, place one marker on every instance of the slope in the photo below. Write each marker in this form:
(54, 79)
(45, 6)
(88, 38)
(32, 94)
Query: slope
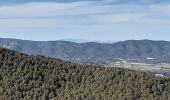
(24, 77)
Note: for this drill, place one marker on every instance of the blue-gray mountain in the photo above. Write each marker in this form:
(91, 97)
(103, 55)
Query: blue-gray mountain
(91, 52)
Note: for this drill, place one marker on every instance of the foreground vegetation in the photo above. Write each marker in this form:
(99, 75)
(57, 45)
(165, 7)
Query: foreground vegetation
(24, 77)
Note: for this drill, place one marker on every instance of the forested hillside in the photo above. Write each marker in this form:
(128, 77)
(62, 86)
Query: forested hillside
(24, 77)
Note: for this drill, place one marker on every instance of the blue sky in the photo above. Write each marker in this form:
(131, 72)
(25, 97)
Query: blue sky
(100, 20)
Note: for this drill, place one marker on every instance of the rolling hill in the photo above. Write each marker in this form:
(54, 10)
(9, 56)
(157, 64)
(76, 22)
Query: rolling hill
(24, 77)
(92, 52)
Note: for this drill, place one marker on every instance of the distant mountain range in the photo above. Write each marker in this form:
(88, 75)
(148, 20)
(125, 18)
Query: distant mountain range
(85, 41)
(91, 52)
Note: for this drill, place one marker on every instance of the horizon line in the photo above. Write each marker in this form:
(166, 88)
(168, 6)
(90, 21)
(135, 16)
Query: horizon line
(83, 41)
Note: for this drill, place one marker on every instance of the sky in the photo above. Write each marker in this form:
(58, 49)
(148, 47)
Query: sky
(89, 20)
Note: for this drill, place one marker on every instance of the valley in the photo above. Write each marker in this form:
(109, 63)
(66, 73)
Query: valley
(161, 69)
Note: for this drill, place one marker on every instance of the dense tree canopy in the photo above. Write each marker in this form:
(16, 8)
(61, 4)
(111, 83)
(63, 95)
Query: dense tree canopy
(24, 77)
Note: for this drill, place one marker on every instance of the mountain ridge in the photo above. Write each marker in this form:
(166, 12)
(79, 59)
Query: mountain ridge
(91, 52)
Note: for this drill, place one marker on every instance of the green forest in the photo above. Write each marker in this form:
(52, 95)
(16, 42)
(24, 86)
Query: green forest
(28, 77)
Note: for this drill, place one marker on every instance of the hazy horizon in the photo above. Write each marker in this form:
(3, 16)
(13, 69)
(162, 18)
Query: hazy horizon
(82, 41)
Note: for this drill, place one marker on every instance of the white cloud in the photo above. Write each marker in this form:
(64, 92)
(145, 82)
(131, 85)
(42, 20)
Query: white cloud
(52, 14)
(118, 18)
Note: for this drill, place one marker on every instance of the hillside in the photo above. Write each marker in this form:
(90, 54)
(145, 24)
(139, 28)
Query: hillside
(97, 53)
(24, 77)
